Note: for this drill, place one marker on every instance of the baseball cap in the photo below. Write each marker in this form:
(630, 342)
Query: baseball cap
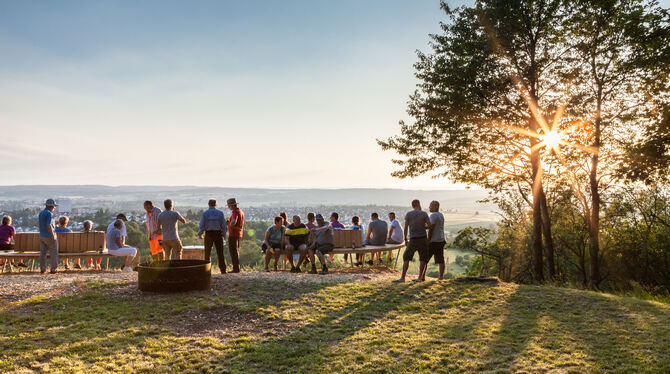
(50, 202)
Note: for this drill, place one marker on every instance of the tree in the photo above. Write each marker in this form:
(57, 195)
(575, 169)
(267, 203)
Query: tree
(477, 116)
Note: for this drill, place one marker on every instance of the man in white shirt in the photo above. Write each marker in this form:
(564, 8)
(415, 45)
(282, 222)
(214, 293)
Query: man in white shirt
(395, 233)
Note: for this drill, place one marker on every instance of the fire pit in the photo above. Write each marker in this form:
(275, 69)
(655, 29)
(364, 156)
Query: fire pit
(175, 276)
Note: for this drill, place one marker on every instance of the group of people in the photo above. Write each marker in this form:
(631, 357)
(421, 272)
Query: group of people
(422, 233)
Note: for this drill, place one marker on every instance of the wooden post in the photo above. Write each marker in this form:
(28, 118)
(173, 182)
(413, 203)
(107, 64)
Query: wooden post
(107, 264)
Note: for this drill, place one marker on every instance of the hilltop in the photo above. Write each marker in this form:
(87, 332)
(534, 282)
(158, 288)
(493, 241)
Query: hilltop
(258, 323)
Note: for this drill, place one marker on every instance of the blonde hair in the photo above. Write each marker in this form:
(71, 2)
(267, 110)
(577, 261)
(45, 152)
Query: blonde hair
(6, 220)
(63, 220)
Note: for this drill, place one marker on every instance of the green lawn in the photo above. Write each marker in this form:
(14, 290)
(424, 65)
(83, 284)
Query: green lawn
(245, 325)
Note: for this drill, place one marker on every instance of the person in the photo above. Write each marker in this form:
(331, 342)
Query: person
(335, 224)
(356, 225)
(117, 247)
(323, 244)
(311, 217)
(235, 230)
(48, 238)
(167, 221)
(376, 236)
(272, 246)
(297, 234)
(7, 232)
(88, 227)
(395, 233)
(213, 224)
(436, 239)
(416, 223)
(284, 218)
(62, 228)
(153, 230)
(124, 234)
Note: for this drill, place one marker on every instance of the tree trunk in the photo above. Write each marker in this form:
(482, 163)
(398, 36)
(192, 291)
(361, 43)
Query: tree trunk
(536, 237)
(548, 241)
(594, 219)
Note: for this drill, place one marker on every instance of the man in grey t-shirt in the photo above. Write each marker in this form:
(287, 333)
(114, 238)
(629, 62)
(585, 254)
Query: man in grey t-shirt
(167, 222)
(436, 238)
(377, 230)
(416, 223)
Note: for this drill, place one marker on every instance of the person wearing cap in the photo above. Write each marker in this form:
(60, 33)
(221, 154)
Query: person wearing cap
(213, 225)
(117, 247)
(235, 230)
(416, 223)
(168, 224)
(324, 242)
(153, 230)
(48, 239)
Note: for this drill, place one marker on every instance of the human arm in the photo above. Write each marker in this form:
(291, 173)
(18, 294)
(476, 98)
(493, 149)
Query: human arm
(201, 226)
(181, 218)
(431, 227)
(267, 239)
(367, 236)
(391, 231)
(405, 231)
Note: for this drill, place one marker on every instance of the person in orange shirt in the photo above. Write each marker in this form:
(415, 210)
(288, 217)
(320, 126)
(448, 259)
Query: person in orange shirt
(235, 230)
(154, 231)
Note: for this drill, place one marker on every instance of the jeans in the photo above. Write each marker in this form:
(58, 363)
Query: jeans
(49, 245)
(215, 238)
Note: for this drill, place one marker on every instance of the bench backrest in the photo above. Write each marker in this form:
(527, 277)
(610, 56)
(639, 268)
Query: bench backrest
(348, 238)
(68, 242)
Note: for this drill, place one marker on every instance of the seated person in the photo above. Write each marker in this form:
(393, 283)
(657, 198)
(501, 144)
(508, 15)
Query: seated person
(297, 234)
(395, 233)
(377, 230)
(324, 242)
(88, 227)
(335, 225)
(356, 225)
(7, 233)
(116, 247)
(272, 244)
(61, 228)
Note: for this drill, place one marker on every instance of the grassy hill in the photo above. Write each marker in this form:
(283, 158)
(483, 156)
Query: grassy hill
(282, 323)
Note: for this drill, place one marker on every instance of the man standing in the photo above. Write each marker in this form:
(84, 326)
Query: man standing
(324, 242)
(167, 221)
(436, 239)
(377, 230)
(48, 240)
(235, 230)
(213, 224)
(153, 230)
(416, 223)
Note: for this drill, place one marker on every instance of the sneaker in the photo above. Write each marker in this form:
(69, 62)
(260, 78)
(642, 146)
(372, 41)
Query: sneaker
(399, 280)
(67, 267)
(370, 262)
(128, 269)
(53, 271)
(313, 271)
(297, 270)
(417, 280)
(293, 269)
(324, 271)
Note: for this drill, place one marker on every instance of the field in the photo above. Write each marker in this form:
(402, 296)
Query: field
(279, 322)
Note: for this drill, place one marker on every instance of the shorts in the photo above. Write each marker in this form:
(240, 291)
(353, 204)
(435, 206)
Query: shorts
(437, 249)
(417, 245)
(324, 247)
(275, 246)
(296, 244)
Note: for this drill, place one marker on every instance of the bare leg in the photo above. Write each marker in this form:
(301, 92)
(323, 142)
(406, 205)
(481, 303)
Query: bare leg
(268, 255)
(422, 271)
(405, 267)
(441, 268)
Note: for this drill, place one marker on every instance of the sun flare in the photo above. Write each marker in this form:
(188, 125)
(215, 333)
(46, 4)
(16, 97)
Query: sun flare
(552, 139)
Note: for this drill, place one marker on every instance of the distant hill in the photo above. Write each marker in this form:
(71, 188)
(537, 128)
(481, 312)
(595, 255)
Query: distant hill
(82, 195)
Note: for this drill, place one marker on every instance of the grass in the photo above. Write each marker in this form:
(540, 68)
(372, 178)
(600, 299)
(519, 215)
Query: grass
(245, 325)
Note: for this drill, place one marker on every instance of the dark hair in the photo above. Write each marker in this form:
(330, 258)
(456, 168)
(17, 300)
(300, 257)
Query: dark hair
(374, 215)
(149, 202)
(121, 216)
(311, 215)
(212, 202)
(63, 220)
(168, 204)
(283, 216)
(392, 213)
(279, 219)
(356, 220)
(337, 216)
(416, 203)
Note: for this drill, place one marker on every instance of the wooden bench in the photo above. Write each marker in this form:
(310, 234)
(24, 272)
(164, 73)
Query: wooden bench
(70, 245)
(350, 241)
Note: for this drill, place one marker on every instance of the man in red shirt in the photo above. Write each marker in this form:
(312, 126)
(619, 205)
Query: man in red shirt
(235, 230)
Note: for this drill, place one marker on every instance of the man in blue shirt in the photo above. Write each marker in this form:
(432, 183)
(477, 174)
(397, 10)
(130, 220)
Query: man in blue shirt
(213, 224)
(48, 238)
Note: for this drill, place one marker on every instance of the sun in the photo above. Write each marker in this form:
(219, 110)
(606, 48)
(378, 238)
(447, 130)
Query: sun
(551, 139)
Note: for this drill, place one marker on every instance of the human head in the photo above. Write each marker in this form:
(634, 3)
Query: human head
(6, 220)
(311, 217)
(334, 217)
(392, 216)
(232, 203)
(168, 204)
(284, 217)
(416, 204)
(50, 204)
(434, 206)
(279, 220)
(88, 226)
(374, 216)
(148, 205)
(356, 220)
(122, 217)
(319, 219)
(212, 203)
(118, 224)
(296, 220)
(63, 220)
